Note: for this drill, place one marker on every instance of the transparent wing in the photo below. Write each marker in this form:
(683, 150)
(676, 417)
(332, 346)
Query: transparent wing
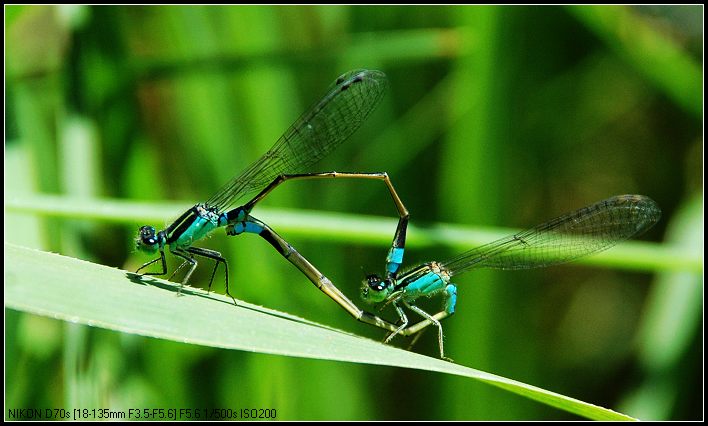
(589, 230)
(318, 132)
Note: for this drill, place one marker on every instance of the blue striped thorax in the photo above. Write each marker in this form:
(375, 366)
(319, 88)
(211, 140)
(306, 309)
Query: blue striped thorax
(425, 280)
(195, 226)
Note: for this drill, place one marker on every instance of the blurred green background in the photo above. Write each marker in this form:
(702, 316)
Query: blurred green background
(495, 116)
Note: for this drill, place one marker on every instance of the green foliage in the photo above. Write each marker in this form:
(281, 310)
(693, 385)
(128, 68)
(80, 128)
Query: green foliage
(80, 292)
(496, 116)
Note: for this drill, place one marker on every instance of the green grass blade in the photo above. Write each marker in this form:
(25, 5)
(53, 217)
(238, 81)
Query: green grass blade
(657, 57)
(81, 292)
(355, 229)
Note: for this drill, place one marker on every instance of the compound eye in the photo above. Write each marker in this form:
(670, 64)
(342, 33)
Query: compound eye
(147, 241)
(375, 290)
(147, 235)
(375, 283)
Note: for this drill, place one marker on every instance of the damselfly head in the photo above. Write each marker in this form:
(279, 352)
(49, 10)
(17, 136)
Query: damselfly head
(374, 289)
(147, 241)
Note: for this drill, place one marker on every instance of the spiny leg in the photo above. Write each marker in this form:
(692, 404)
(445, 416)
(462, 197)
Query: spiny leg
(216, 256)
(404, 323)
(179, 268)
(450, 293)
(430, 318)
(164, 265)
(188, 259)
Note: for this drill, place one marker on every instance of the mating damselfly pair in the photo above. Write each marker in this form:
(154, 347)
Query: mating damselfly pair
(318, 132)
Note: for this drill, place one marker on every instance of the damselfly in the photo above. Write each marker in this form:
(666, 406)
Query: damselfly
(318, 132)
(589, 230)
